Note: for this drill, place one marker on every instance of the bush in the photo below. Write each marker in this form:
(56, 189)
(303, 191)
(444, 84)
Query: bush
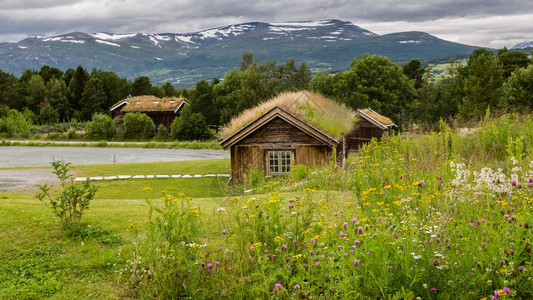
(138, 125)
(69, 205)
(189, 126)
(48, 115)
(71, 133)
(14, 123)
(101, 127)
(162, 132)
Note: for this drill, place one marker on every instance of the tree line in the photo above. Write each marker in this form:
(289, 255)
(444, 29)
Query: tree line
(500, 82)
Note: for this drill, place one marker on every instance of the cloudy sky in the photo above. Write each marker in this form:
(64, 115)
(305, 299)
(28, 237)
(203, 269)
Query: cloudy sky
(487, 23)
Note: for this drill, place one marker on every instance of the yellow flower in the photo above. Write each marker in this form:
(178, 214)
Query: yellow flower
(147, 189)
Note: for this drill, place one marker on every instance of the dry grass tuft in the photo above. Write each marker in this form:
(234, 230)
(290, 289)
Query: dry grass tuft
(323, 113)
(152, 103)
(381, 119)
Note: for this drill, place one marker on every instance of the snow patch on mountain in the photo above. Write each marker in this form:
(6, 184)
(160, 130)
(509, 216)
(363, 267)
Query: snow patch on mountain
(107, 43)
(107, 36)
(523, 45)
(184, 38)
(233, 30)
(304, 23)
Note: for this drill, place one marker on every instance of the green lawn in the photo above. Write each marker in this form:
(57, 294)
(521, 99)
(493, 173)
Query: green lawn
(38, 260)
(211, 166)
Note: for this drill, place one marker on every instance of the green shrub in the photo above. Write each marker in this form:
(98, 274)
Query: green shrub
(13, 123)
(48, 115)
(189, 126)
(70, 204)
(71, 133)
(299, 172)
(162, 132)
(138, 125)
(101, 127)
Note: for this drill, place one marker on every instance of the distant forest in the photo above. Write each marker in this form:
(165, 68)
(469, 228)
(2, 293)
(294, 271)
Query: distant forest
(499, 83)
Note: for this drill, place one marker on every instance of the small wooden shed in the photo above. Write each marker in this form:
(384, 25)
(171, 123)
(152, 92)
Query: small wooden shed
(161, 111)
(370, 125)
(291, 129)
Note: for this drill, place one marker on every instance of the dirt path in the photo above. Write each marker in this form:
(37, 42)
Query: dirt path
(25, 180)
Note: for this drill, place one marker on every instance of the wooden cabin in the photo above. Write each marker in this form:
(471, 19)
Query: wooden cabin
(161, 111)
(370, 125)
(284, 135)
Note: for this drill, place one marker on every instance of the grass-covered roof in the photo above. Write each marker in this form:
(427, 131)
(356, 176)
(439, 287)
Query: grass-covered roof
(380, 118)
(325, 114)
(152, 103)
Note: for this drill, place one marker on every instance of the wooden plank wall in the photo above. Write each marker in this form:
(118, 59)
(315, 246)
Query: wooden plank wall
(244, 157)
(364, 132)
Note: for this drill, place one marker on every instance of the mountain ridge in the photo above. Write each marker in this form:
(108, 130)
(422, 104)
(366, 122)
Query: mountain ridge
(185, 58)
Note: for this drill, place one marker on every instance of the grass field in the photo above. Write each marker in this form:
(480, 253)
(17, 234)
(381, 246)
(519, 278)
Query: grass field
(397, 223)
(38, 260)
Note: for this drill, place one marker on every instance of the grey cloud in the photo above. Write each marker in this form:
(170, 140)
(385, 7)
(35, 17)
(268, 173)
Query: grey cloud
(46, 17)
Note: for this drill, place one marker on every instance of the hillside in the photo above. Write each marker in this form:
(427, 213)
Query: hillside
(186, 58)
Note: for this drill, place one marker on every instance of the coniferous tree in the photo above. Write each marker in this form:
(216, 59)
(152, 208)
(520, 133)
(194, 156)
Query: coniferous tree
(142, 86)
(482, 85)
(76, 86)
(56, 92)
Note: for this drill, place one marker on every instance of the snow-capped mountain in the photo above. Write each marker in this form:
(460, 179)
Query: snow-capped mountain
(184, 58)
(523, 45)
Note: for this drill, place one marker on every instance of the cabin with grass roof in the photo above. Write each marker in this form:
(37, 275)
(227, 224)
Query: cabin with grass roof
(370, 125)
(161, 111)
(297, 128)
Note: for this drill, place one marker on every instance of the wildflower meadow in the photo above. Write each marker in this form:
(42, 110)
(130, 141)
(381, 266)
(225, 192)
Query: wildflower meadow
(439, 216)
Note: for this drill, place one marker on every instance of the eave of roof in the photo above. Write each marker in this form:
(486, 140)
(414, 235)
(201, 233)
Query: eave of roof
(374, 121)
(278, 112)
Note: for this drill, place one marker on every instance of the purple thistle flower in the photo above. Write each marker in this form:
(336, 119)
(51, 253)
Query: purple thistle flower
(217, 263)
(513, 182)
(265, 251)
(521, 268)
(421, 183)
(291, 206)
(294, 241)
(502, 261)
(345, 225)
(342, 234)
(317, 264)
(202, 264)
(224, 232)
(356, 263)
(284, 247)
(277, 287)
(297, 287)
(507, 290)
(433, 290)
(357, 242)
(189, 271)
(209, 266)
(360, 230)
(354, 220)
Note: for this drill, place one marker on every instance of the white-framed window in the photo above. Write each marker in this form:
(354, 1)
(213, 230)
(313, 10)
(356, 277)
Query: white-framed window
(279, 162)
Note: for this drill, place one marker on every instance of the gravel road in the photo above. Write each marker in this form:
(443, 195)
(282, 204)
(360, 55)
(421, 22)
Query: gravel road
(11, 157)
